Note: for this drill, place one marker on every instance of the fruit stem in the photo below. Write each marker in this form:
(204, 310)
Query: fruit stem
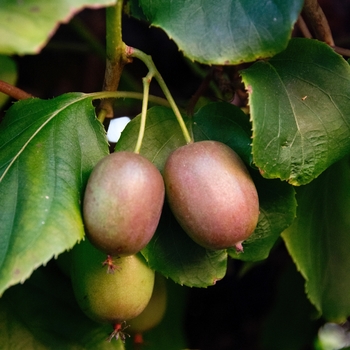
(146, 83)
(153, 72)
(116, 58)
(128, 94)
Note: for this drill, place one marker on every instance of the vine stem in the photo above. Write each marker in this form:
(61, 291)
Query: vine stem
(127, 94)
(153, 72)
(116, 58)
(13, 91)
(146, 83)
(318, 21)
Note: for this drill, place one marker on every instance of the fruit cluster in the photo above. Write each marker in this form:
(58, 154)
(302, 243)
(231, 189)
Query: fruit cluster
(211, 194)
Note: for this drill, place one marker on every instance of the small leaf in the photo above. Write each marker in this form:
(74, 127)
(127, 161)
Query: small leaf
(26, 26)
(225, 32)
(47, 151)
(300, 110)
(319, 240)
(43, 314)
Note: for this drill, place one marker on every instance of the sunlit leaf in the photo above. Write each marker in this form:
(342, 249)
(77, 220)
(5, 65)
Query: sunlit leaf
(47, 151)
(225, 32)
(300, 109)
(26, 26)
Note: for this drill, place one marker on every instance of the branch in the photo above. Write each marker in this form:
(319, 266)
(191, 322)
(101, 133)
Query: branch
(13, 91)
(318, 21)
(303, 28)
(116, 57)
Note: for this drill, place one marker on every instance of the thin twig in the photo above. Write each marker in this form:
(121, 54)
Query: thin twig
(318, 21)
(342, 51)
(303, 27)
(13, 91)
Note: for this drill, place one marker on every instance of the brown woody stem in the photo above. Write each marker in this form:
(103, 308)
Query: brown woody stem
(13, 91)
(318, 21)
(116, 58)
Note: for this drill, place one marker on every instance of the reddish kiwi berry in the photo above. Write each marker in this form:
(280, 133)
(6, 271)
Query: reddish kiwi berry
(211, 194)
(110, 298)
(122, 205)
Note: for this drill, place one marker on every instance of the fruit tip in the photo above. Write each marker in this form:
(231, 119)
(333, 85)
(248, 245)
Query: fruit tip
(239, 247)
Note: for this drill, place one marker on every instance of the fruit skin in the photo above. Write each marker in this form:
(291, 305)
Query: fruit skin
(211, 194)
(110, 298)
(152, 315)
(123, 202)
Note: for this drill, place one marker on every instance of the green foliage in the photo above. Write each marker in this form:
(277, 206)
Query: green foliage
(319, 239)
(294, 132)
(229, 32)
(37, 19)
(300, 111)
(47, 151)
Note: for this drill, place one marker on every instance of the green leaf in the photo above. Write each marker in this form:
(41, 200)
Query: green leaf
(174, 254)
(8, 73)
(300, 110)
(47, 151)
(319, 240)
(162, 136)
(43, 314)
(225, 32)
(26, 26)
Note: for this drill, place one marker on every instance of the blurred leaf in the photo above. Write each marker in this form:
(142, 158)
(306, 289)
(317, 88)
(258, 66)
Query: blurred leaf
(319, 240)
(225, 32)
(300, 110)
(43, 314)
(47, 151)
(8, 73)
(291, 324)
(26, 26)
(169, 334)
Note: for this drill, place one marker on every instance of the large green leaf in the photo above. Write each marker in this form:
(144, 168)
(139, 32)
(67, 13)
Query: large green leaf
(25, 26)
(171, 251)
(47, 151)
(300, 109)
(223, 32)
(42, 314)
(319, 240)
